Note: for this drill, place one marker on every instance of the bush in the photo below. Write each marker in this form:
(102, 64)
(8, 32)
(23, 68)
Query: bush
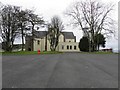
(84, 44)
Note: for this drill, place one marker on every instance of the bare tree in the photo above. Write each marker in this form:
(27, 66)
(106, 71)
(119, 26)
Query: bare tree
(1, 6)
(54, 29)
(25, 18)
(34, 20)
(94, 16)
(9, 25)
(22, 20)
(14, 22)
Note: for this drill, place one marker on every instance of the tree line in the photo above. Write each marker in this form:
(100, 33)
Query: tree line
(92, 17)
(15, 22)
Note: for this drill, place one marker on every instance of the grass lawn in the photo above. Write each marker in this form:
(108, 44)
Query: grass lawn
(28, 52)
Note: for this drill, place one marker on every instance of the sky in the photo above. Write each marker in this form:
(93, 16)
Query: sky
(48, 8)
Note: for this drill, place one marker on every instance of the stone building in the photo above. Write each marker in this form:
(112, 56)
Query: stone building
(67, 42)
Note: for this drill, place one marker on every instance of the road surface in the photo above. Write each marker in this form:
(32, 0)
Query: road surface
(68, 70)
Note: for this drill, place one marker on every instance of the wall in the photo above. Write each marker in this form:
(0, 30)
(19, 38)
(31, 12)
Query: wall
(65, 44)
(61, 38)
(41, 45)
(48, 45)
(69, 40)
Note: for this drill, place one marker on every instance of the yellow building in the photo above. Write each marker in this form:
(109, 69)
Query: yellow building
(67, 42)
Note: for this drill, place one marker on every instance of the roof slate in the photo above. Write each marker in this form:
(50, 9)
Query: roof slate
(40, 34)
(67, 35)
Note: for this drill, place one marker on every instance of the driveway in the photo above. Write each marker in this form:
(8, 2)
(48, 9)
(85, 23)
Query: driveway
(68, 70)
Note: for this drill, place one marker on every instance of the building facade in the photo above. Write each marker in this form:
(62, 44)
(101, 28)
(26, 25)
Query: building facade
(67, 42)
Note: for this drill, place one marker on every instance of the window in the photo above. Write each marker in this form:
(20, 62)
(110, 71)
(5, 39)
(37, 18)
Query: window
(70, 47)
(62, 46)
(67, 47)
(38, 42)
(69, 41)
(74, 47)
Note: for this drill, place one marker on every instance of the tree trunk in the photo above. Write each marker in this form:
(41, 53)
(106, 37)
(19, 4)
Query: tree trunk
(98, 47)
(22, 38)
(32, 45)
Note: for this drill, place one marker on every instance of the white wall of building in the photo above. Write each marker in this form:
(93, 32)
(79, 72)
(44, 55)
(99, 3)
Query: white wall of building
(39, 44)
(68, 46)
(61, 38)
(69, 40)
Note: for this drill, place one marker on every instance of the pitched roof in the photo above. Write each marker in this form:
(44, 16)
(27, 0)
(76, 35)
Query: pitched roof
(40, 34)
(68, 35)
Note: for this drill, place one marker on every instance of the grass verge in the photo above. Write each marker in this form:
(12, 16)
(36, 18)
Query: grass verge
(28, 52)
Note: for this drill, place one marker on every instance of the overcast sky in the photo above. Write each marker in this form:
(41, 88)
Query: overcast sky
(49, 8)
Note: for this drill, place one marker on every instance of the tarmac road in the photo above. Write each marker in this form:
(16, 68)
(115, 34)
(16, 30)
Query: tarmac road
(68, 70)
